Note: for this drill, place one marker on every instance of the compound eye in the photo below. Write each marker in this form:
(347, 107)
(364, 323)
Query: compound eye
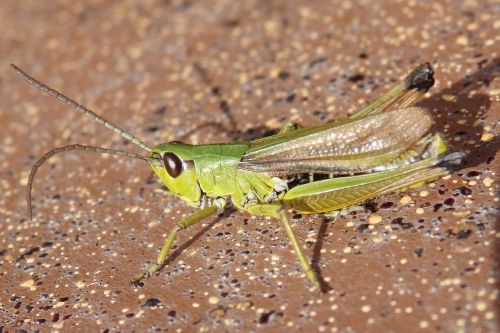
(173, 164)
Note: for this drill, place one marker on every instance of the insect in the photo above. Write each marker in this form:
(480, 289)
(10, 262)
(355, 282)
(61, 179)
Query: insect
(385, 147)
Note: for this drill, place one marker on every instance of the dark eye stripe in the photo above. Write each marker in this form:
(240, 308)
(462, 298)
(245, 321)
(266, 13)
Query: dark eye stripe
(173, 164)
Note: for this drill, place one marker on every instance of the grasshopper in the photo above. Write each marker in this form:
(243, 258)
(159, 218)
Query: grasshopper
(385, 147)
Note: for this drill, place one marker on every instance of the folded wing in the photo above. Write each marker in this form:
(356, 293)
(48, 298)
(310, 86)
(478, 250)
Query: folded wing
(351, 146)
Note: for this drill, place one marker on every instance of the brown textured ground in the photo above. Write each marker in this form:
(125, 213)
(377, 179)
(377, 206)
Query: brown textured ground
(203, 72)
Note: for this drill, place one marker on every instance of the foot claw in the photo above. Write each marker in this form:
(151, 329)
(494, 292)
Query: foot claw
(139, 277)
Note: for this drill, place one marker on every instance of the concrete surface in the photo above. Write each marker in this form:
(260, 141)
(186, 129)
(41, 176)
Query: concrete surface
(213, 71)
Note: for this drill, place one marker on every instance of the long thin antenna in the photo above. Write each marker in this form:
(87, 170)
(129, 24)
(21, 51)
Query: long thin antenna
(34, 82)
(93, 149)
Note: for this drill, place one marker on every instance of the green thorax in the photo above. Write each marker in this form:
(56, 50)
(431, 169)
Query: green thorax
(216, 167)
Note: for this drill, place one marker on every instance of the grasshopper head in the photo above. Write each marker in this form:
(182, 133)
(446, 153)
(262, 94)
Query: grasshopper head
(177, 170)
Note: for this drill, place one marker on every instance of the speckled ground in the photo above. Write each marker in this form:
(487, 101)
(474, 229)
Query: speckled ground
(211, 71)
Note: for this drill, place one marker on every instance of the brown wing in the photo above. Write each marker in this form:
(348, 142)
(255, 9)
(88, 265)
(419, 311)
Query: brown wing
(347, 147)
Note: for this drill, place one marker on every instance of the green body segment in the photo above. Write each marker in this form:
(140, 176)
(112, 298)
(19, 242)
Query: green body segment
(218, 175)
(216, 167)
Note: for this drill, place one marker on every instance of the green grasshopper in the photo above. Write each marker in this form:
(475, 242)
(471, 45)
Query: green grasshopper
(383, 148)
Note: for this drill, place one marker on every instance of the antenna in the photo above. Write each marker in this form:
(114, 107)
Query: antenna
(64, 99)
(93, 149)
